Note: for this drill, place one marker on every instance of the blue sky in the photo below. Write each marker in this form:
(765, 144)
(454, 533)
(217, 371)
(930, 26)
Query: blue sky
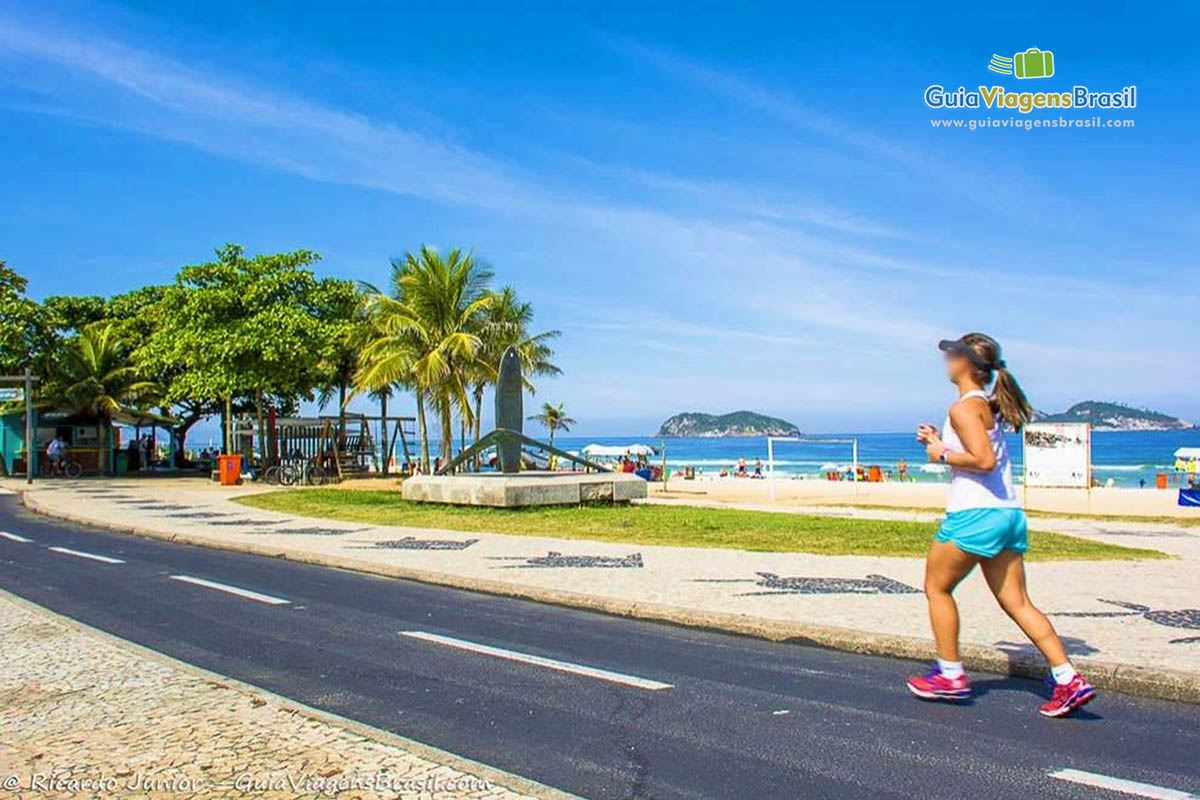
(721, 207)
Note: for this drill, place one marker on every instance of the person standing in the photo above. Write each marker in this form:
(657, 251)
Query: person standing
(984, 523)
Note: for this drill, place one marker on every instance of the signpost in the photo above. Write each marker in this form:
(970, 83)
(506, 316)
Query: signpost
(1057, 455)
(12, 394)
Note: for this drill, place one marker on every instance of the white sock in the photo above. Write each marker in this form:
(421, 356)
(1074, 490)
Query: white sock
(951, 669)
(1063, 673)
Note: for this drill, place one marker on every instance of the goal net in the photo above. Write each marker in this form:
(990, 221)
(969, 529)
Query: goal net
(825, 449)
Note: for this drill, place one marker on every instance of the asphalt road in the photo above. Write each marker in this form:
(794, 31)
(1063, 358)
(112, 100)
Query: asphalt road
(688, 714)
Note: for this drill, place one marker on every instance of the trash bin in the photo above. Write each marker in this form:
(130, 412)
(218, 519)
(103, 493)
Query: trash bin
(230, 469)
(1160, 480)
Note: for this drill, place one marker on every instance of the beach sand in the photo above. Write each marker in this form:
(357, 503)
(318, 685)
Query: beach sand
(932, 495)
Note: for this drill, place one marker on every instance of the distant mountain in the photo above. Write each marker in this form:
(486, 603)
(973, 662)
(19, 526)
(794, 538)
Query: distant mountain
(1116, 417)
(715, 426)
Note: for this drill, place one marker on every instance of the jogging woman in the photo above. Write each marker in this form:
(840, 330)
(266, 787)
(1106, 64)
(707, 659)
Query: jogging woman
(984, 523)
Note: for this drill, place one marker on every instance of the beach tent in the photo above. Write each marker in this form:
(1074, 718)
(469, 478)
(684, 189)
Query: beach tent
(1188, 453)
(616, 451)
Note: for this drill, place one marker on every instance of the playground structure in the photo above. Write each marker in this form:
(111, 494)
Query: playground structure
(343, 446)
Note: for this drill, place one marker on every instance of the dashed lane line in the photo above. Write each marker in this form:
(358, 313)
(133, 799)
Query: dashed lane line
(539, 661)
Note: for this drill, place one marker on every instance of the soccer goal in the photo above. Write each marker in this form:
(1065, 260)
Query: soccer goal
(773, 440)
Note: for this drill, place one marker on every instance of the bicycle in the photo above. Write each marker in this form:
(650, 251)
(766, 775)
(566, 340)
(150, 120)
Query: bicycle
(66, 467)
(296, 471)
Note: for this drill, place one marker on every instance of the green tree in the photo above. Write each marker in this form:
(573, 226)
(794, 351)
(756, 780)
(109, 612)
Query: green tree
(97, 377)
(249, 328)
(426, 335)
(136, 318)
(553, 418)
(27, 336)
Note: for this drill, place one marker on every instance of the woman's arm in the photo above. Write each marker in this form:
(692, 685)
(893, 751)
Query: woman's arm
(969, 424)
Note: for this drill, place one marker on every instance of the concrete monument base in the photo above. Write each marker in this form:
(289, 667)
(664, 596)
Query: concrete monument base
(525, 489)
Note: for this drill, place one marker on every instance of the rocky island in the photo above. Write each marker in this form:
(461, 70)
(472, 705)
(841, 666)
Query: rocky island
(695, 424)
(1117, 417)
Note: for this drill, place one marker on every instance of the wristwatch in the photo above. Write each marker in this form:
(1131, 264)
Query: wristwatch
(942, 457)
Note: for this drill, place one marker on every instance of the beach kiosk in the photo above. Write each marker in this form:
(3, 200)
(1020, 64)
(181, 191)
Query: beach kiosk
(1187, 463)
(81, 432)
(12, 442)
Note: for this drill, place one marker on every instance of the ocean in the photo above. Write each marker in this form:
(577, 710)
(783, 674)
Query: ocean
(1126, 457)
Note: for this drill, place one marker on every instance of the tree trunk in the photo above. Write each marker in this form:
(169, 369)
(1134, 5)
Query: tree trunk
(447, 420)
(262, 431)
(102, 457)
(341, 416)
(225, 412)
(383, 428)
(423, 430)
(478, 410)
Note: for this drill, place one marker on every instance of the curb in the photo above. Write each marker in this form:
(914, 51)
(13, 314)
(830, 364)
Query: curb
(492, 775)
(1163, 684)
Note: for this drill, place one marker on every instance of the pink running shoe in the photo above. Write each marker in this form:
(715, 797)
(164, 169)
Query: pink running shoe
(933, 685)
(1068, 697)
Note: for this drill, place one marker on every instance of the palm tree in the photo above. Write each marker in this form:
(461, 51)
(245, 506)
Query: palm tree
(387, 358)
(553, 418)
(426, 335)
(506, 322)
(98, 378)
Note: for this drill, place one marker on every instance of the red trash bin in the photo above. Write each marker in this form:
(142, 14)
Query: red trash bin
(230, 469)
(1160, 480)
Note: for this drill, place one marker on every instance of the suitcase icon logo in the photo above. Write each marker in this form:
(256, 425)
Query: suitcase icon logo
(1033, 63)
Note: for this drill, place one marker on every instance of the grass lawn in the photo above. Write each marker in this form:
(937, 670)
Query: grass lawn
(1183, 522)
(665, 525)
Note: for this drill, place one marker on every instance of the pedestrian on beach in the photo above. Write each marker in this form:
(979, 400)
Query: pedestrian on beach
(984, 523)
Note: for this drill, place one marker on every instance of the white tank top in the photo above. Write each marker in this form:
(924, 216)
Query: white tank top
(974, 489)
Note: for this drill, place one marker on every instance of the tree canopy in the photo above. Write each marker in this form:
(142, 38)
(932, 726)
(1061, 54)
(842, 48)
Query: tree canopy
(27, 337)
(239, 326)
(265, 329)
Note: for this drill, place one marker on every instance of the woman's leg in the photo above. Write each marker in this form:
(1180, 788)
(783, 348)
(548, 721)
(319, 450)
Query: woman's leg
(1005, 574)
(945, 566)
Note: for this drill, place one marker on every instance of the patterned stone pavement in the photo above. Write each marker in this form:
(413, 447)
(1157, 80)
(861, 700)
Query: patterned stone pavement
(87, 716)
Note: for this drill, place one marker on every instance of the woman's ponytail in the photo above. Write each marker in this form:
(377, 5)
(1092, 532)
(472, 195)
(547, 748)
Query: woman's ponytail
(1010, 401)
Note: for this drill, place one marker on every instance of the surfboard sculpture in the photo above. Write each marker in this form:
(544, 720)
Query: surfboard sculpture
(510, 413)
(508, 436)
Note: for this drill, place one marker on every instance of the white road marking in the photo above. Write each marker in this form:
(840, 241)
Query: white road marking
(224, 587)
(13, 537)
(80, 554)
(548, 663)
(1120, 785)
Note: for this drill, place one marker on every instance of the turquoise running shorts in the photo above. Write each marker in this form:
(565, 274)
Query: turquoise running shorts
(985, 532)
